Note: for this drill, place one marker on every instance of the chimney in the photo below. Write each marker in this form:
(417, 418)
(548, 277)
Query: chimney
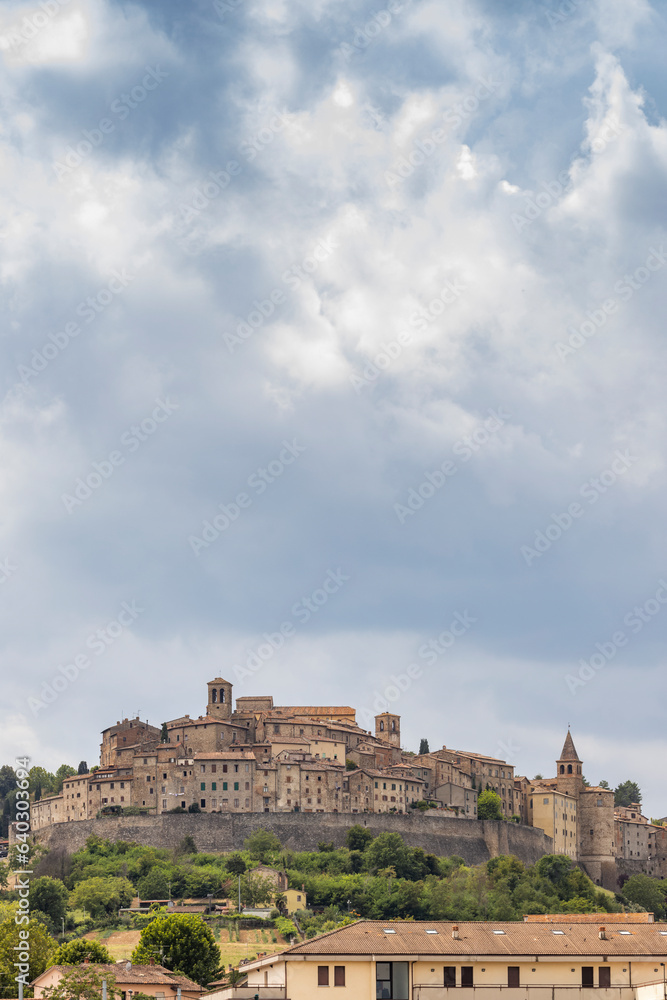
(455, 932)
(152, 961)
(86, 961)
(602, 935)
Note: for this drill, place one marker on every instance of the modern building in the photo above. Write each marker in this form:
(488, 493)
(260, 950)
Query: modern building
(589, 956)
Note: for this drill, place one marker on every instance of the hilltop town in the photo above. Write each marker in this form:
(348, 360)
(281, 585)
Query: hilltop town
(258, 757)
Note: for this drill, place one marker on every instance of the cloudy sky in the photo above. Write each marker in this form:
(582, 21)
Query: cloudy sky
(347, 320)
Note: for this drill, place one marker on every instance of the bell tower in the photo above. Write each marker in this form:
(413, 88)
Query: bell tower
(219, 699)
(388, 728)
(568, 769)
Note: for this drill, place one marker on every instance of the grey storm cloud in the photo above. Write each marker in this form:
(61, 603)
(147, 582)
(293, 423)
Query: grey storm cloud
(348, 292)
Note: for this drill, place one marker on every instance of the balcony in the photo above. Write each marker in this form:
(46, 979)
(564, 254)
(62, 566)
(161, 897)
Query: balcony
(648, 991)
(249, 992)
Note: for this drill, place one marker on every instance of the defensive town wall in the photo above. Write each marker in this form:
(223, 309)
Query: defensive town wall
(474, 840)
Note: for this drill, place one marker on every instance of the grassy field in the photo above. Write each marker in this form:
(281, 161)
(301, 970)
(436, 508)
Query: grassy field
(234, 945)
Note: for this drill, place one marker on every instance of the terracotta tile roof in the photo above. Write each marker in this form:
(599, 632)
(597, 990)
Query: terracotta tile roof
(224, 755)
(138, 974)
(368, 937)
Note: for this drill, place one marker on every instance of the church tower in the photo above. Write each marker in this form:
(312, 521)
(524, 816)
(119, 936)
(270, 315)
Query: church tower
(388, 728)
(219, 699)
(568, 769)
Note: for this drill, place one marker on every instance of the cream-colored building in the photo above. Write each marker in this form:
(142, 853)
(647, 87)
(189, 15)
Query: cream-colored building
(557, 960)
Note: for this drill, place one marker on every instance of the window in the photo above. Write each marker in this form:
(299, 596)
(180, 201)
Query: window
(202, 768)
(392, 981)
(236, 786)
(214, 768)
(450, 975)
(224, 786)
(466, 975)
(322, 975)
(203, 786)
(224, 769)
(214, 786)
(513, 976)
(604, 977)
(587, 975)
(202, 803)
(339, 975)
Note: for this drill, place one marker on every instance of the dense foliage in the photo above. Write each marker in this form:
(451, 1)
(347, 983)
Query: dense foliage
(377, 877)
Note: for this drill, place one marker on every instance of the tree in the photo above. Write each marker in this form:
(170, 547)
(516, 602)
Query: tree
(84, 982)
(604, 784)
(12, 936)
(64, 771)
(49, 896)
(489, 805)
(154, 884)
(235, 864)
(388, 850)
(101, 896)
(585, 782)
(183, 943)
(82, 768)
(423, 746)
(186, 845)
(646, 892)
(7, 780)
(358, 838)
(256, 890)
(554, 867)
(76, 952)
(41, 780)
(261, 844)
(538, 777)
(164, 733)
(627, 793)
(194, 807)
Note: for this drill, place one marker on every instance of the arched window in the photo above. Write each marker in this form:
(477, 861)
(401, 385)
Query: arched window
(214, 695)
(381, 726)
(393, 725)
(562, 769)
(222, 696)
(569, 769)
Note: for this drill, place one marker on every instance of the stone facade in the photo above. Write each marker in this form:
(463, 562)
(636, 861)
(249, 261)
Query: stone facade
(259, 757)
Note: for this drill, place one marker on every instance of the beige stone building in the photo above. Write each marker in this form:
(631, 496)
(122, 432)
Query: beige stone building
(551, 959)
